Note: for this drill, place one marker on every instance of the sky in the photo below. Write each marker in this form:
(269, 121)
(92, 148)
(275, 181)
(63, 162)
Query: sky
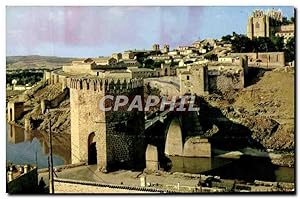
(100, 31)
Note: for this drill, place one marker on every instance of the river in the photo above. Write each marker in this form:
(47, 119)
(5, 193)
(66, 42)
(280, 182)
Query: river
(31, 147)
(246, 168)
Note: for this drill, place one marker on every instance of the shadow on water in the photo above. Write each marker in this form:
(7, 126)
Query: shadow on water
(233, 136)
(253, 168)
(24, 147)
(229, 137)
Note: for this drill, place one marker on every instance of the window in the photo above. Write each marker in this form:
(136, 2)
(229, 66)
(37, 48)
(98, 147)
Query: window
(256, 25)
(187, 77)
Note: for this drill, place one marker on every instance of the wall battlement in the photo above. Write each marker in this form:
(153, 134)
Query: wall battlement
(103, 85)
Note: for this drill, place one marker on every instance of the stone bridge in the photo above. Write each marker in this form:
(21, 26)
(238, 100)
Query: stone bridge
(123, 139)
(174, 134)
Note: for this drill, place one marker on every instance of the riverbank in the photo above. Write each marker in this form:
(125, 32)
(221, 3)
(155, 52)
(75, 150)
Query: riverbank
(78, 178)
(279, 159)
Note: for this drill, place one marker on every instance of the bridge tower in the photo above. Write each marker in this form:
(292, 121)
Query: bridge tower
(111, 139)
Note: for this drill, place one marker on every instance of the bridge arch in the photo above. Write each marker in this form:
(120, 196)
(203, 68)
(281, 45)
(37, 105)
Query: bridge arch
(174, 139)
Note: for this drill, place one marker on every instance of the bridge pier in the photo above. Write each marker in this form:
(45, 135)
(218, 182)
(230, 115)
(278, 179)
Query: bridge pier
(174, 141)
(152, 163)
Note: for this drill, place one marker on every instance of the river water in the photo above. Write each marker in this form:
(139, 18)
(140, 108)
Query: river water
(246, 168)
(31, 147)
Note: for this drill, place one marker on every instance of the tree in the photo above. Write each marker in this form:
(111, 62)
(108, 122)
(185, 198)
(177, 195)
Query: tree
(211, 57)
(289, 51)
(241, 43)
(285, 21)
(226, 38)
(263, 44)
(149, 63)
(278, 43)
(292, 19)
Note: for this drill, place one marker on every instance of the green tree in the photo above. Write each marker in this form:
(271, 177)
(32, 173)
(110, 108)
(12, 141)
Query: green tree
(241, 43)
(292, 19)
(149, 63)
(285, 21)
(289, 51)
(263, 44)
(226, 38)
(211, 57)
(278, 43)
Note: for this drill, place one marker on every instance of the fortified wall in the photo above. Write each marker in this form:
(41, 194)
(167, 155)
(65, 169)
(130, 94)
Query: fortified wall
(201, 79)
(264, 59)
(223, 77)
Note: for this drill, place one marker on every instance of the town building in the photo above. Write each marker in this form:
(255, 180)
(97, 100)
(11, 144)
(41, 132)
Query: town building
(268, 23)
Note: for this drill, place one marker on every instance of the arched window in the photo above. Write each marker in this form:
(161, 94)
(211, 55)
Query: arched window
(256, 25)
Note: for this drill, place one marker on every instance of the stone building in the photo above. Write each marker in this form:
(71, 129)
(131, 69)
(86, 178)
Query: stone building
(268, 23)
(128, 55)
(140, 72)
(173, 53)
(109, 138)
(80, 66)
(286, 31)
(162, 58)
(130, 62)
(155, 47)
(201, 78)
(264, 59)
(260, 25)
(194, 80)
(117, 56)
(227, 75)
(165, 49)
(164, 70)
(105, 60)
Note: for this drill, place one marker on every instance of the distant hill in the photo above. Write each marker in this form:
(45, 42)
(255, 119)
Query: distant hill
(36, 62)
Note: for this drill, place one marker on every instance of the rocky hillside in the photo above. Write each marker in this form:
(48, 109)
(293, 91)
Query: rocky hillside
(265, 110)
(59, 116)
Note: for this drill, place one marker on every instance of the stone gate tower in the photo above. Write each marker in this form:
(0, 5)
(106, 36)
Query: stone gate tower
(112, 139)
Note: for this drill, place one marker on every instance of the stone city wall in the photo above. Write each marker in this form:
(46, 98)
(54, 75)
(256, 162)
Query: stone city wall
(223, 81)
(267, 59)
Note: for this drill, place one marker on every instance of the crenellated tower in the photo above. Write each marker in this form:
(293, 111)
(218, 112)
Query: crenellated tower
(112, 139)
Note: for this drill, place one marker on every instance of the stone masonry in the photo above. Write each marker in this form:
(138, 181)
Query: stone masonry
(118, 134)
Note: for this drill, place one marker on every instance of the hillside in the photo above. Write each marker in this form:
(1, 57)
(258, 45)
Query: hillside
(265, 110)
(36, 62)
